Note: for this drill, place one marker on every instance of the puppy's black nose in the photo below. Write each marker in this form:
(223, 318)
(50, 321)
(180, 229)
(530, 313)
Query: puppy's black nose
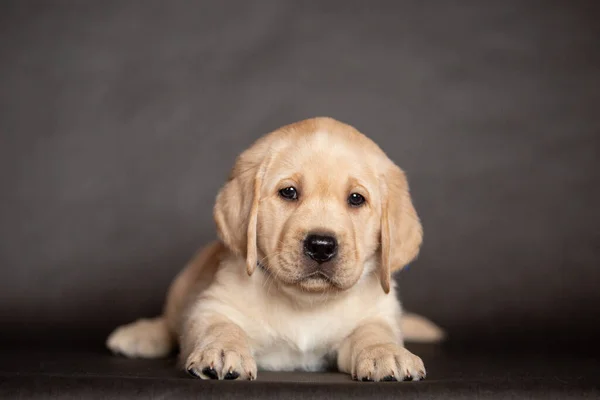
(320, 248)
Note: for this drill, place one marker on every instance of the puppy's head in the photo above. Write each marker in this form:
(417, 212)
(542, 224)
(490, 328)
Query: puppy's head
(315, 202)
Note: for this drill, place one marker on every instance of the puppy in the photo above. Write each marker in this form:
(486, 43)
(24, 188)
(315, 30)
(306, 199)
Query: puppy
(312, 222)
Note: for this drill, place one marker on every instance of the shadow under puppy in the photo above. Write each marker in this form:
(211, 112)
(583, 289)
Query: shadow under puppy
(312, 222)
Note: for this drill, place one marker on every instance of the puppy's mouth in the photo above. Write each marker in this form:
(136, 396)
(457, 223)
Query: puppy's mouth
(318, 281)
(313, 281)
(317, 276)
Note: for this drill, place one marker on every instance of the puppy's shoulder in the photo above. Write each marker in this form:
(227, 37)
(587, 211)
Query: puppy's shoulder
(368, 299)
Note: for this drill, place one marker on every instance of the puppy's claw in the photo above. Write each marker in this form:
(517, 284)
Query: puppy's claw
(192, 371)
(231, 375)
(210, 373)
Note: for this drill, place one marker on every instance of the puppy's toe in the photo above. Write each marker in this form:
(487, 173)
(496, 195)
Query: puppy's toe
(387, 363)
(238, 365)
(218, 363)
(410, 366)
(205, 364)
(377, 363)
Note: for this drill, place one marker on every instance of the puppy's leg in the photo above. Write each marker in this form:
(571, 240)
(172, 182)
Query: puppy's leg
(156, 337)
(217, 349)
(144, 338)
(373, 352)
(418, 329)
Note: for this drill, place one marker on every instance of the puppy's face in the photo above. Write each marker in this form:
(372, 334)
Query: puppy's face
(319, 212)
(317, 205)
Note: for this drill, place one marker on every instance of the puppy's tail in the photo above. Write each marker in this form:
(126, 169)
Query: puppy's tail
(418, 329)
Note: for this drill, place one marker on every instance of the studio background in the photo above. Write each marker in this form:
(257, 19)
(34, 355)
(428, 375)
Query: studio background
(120, 120)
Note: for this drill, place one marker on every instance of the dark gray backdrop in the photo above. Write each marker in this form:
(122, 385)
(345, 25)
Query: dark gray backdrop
(119, 121)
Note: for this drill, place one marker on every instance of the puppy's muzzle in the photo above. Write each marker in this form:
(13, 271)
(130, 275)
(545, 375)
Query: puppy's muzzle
(320, 248)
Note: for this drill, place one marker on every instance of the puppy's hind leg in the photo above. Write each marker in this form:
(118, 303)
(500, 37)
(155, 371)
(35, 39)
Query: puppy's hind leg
(418, 329)
(144, 338)
(157, 337)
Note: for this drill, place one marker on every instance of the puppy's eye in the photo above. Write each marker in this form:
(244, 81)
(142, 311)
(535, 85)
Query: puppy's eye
(289, 193)
(356, 200)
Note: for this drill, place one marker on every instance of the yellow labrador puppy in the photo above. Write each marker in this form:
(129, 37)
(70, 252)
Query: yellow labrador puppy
(313, 220)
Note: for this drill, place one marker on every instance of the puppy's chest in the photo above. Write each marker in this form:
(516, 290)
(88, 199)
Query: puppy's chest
(300, 342)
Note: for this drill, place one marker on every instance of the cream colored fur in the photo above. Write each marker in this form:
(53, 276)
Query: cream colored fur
(232, 318)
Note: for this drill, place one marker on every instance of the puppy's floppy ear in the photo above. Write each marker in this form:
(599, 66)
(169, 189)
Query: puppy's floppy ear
(236, 208)
(401, 230)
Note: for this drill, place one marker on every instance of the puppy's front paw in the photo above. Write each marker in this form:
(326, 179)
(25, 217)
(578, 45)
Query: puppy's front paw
(221, 362)
(388, 362)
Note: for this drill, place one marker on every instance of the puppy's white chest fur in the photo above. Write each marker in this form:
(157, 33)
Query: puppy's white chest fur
(298, 331)
(305, 342)
(285, 356)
